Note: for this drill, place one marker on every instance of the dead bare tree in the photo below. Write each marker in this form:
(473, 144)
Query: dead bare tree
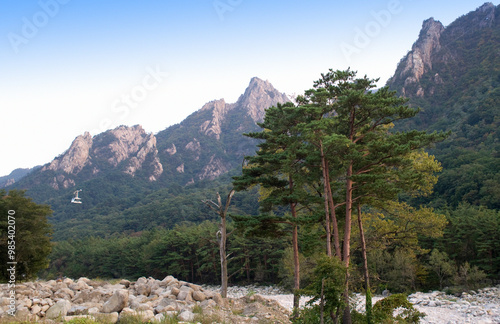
(222, 236)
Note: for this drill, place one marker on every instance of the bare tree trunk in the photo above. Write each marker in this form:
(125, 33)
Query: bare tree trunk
(223, 257)
(222, 237)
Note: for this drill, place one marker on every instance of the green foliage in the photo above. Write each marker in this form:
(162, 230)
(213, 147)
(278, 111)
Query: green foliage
(384, 310)
(469, 277)
(24, 229)
(307, 267)
(441, 265)
(328, 284)
(472, 236)
(309, 315)
(369, 306)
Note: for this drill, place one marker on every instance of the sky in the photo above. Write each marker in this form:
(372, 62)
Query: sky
(71, 66)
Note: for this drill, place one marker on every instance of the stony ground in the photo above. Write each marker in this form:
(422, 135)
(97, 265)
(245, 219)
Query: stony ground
(479, 307)
(155, 299)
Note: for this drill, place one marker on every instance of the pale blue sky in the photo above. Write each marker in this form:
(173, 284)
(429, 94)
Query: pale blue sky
(70, 66)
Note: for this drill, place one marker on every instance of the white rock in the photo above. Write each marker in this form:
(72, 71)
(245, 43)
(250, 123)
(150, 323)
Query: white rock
(186, 316)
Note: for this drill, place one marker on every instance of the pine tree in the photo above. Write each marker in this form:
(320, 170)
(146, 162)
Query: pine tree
(278, 167)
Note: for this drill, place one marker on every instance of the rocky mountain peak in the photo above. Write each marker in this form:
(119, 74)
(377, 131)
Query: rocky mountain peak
(219, 110)
(75, 158)
(130, 145)
(259, 96)
(436, 46)
(418, 60)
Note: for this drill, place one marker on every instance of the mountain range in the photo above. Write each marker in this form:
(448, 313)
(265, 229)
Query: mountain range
(132, 180)
(127, 170)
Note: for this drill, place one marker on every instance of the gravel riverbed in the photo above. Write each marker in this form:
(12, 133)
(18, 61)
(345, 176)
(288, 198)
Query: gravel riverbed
(479, 307)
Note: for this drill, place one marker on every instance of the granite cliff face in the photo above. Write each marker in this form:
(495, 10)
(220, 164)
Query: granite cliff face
(209, 143)
(75, 158)
(418, 60)
(206, 145)
(258, 97)
(420, 72)
(131, 148)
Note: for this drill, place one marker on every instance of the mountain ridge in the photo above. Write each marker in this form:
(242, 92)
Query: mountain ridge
(433, 49)
(130, 178)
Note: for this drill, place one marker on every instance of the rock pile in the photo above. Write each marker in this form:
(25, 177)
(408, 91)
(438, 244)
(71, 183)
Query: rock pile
(241, 291)
(151, 299)
(482, 306)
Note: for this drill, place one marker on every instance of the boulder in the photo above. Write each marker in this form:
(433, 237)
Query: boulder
(58, 310)
(78, 310)
(186, 316)
(64, 293)
(117, 302)
(185, 294)
(175, 291)
(199, 296)
(167, 305)
(159, 318)
(219, 300)
(79, 285)
(35, 309)
(145, 315)
(23, 313)
(168, 279)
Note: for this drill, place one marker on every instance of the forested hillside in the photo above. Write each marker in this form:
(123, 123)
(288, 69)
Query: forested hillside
(459, 90)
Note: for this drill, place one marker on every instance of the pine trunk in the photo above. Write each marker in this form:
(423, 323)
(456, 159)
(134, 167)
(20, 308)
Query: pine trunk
(296, 263)
(333, 217)
(347, 243)
(296, 275)
(326, 197)
(365, 267)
